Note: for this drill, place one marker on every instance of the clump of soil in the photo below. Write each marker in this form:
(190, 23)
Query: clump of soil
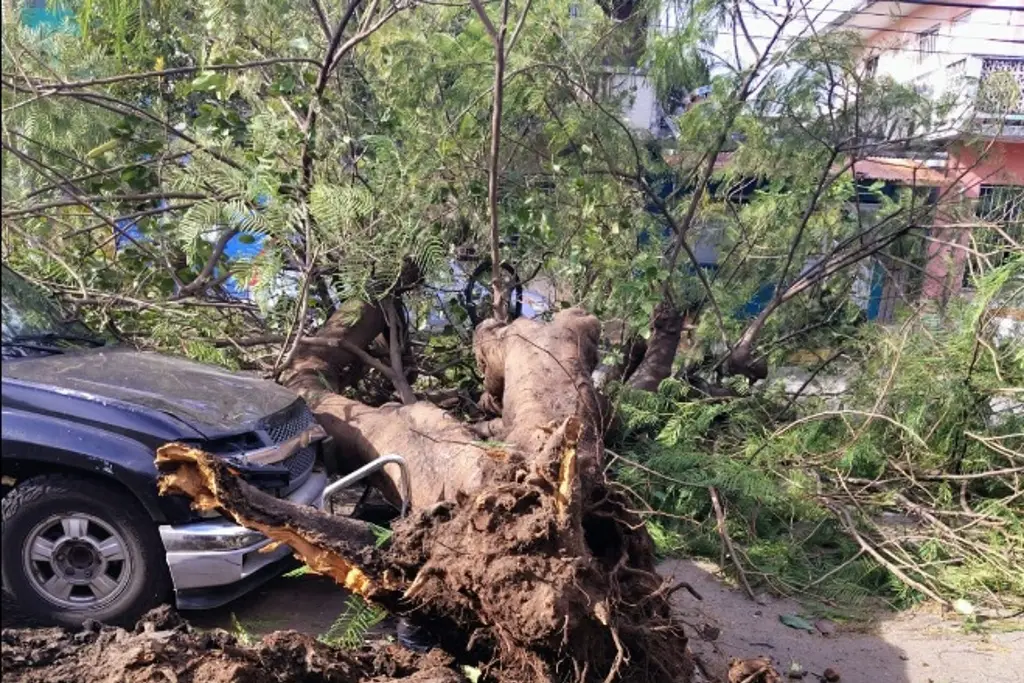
(162, 648)
(756, 670)
(539, 600)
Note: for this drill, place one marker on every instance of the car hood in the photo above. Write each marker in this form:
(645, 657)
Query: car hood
(211, 400)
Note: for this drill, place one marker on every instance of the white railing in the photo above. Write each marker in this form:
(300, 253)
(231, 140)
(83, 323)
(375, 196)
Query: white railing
(989, 94)
(999, 98)
(1001, 85)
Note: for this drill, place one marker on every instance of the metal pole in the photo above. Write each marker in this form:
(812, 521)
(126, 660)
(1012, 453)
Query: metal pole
(368, 469)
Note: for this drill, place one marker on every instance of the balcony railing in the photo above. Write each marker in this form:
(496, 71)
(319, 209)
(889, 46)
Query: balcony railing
(1001, 86)
(991, 96)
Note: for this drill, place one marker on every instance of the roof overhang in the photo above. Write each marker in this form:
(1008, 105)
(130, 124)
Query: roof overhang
(882, 14)
(868, 17)
(910, 172)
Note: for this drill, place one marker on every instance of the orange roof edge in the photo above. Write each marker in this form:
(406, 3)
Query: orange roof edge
(908, 171)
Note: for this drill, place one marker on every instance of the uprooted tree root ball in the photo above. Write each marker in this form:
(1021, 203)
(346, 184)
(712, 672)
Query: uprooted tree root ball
(519, 554)
(504, 583)
(164, 649)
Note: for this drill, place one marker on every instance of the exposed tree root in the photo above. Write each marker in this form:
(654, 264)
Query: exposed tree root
(499, 572)
(518, 554)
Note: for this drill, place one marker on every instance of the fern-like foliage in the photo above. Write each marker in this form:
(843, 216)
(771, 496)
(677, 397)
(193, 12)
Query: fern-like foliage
(351, 627)
(920, 418)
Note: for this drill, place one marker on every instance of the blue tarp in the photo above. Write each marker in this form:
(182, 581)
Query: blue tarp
(757, 303)
(39, 18)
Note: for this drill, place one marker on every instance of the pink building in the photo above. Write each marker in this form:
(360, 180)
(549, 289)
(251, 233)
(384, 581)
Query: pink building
(974, 50)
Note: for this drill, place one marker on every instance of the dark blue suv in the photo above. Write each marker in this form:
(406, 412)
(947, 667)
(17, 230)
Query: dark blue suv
(85, 535)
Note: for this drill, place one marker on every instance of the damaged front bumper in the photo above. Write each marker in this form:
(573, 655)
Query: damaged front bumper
(214, 561)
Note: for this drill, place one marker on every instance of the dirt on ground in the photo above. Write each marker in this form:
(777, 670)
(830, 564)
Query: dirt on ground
(284, 617)
(919, 646)
(164, 648)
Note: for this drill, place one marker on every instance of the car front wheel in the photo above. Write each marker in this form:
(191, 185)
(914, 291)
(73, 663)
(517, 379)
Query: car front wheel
(75, 549)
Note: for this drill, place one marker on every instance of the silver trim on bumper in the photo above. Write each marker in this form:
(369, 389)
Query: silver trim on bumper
(218, 552)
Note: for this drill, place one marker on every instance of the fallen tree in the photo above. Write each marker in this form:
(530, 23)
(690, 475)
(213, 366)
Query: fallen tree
(521, 556)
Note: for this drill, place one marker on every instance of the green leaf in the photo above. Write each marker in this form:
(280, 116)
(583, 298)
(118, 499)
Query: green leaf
(794, 621)
(100, 150)
(209, 81)
(350, 628)
(381, 534)
(243, 634)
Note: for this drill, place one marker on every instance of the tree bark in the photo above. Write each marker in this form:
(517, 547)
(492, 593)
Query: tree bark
(666, 331)
(633, 352)
(325, 368)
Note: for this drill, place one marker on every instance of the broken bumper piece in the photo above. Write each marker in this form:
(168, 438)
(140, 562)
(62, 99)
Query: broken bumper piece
(212, 562)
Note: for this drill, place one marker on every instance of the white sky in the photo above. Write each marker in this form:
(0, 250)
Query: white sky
(760, 24)
(812, 15)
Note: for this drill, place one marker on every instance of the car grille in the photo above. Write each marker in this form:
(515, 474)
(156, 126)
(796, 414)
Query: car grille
(287, 425)
(300, 464)
(290, 424)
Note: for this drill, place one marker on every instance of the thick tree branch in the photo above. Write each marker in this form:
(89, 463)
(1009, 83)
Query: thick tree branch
(395, 347)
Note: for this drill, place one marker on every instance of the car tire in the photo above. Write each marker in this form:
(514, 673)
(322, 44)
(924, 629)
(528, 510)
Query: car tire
(76, 549)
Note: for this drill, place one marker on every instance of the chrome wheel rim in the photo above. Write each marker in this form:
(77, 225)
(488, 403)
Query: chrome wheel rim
(76, 560)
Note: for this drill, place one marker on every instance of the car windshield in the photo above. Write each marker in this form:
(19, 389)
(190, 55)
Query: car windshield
(33, 319)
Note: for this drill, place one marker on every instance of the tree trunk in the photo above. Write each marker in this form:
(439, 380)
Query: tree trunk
(318, 368)
(633, 352)
(666, 331)
(518, 553)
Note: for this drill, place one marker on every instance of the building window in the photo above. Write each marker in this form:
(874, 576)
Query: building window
(926, 43)
(1001, 204)
(871, 67)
